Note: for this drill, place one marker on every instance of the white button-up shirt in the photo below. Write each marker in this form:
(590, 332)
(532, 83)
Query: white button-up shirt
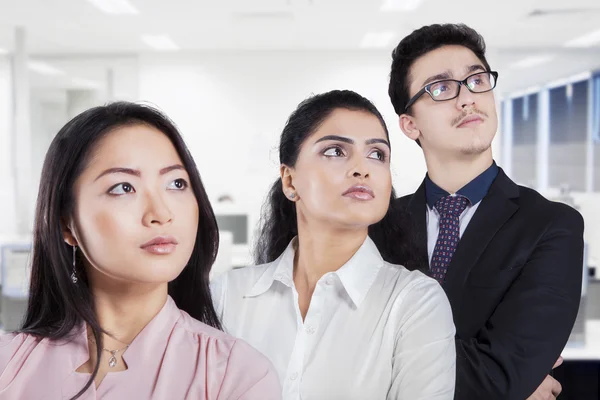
(373, 331)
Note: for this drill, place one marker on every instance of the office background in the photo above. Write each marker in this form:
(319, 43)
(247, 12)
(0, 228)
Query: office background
(230, 72)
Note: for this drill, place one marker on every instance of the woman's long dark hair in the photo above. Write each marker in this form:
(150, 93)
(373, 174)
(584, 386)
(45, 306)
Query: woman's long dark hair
(278, 225)
(57, 306)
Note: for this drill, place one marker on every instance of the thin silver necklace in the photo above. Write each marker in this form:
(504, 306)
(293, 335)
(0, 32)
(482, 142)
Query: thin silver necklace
(112, 361)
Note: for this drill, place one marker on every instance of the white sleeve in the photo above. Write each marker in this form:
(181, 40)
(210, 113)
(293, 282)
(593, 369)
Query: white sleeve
(424, 361)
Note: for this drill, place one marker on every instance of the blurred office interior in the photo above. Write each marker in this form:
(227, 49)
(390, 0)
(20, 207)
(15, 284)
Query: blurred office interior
(230, 72)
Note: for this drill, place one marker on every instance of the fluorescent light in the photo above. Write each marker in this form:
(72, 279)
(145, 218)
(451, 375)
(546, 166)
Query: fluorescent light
(532, 61)
(44, 68)
(160, 42)
(587, 40)
(400, 5)
(114, 6)
(377, 39)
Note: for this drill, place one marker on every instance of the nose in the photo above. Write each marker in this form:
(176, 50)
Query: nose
(360, 169)
(465, 98)
(157, 211)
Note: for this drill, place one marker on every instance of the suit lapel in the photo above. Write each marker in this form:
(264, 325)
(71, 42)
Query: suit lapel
(493, 212)
(417, 206)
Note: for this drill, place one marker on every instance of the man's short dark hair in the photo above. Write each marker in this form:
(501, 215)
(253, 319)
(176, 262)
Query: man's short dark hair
(421, 42)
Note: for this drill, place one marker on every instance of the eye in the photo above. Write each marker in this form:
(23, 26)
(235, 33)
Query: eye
(439, 89)
(377, 155)
(475, 82)
(121, 189)
(482, 80)
(178, 184)
(333, 152)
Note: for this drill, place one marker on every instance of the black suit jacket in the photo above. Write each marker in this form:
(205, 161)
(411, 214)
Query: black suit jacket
(514, 285)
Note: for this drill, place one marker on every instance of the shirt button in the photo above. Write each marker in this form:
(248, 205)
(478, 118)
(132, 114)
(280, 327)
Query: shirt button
(310, 330)
(294, 376)
(329, 281)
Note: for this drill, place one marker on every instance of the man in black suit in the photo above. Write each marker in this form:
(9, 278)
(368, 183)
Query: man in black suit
(509, 260)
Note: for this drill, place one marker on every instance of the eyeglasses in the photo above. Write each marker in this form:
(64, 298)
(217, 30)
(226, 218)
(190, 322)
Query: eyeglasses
(449, 89)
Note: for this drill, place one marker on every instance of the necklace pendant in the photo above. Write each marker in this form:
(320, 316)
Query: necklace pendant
(112, 361)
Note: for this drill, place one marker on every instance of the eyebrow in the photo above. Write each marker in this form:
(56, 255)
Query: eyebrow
(135, 172)
(350, 141)
(438, 77)
(475, 67)
(448, 74)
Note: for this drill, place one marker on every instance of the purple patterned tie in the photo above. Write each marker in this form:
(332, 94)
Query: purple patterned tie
(449, 208)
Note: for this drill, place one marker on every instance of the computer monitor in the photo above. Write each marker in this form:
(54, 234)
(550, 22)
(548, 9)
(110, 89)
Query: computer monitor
(237, 224)
(15, 260)
(237, 220)
(15, 270)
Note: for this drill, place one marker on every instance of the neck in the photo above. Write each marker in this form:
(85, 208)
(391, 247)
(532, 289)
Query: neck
(452, 173)
(123, 311)
(322, 249)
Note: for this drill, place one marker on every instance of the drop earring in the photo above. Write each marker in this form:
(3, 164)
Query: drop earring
(73, 274)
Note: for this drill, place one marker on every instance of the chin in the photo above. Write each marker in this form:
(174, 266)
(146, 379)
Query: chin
(476, 146)
(474, 150)
(362, 220)
(158, 272)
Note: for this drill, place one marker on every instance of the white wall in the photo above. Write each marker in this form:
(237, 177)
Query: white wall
(231, 108)
(8, 223)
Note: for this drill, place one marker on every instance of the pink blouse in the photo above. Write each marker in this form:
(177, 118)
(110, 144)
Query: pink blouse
(174, 357)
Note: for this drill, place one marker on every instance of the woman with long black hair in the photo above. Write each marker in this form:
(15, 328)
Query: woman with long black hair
(337, 302)
(119, 302)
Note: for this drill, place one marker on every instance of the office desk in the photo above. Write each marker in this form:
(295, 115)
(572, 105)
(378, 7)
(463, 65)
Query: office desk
(580, 373)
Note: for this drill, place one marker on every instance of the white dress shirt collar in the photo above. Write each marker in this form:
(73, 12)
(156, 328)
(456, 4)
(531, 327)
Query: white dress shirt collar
(356, 276)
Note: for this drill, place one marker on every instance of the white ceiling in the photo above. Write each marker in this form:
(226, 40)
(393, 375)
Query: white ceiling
(76, 27)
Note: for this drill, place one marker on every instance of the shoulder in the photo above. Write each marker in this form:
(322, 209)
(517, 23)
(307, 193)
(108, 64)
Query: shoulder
(250, 375)
(407, 281)
(201, 333)
(15, 351)
(216, 342)
(246, 371)
(416, 294)
(13, 343)
(537, 206)
(240, 280)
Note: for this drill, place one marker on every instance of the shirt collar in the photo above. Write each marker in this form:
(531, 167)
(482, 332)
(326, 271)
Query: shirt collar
(282, 270)
(356, 276)
(359, 273)
(475, 190)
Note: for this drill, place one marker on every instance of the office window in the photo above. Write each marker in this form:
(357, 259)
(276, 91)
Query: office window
(596, 131)
(568, 135)
(524, 150)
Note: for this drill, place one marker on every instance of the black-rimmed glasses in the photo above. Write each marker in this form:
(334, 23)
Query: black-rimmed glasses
(449, 89)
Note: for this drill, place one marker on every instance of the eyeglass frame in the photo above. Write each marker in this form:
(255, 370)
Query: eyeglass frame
(463, 82)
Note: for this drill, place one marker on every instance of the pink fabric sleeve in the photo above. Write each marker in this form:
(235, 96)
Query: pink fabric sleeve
(249, 376)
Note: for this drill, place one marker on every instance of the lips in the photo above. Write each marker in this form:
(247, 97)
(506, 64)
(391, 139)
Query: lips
(470, 120)
(160, 245)
(359, 192)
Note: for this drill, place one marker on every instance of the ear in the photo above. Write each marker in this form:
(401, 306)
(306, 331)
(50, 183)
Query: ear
(287, 182)
(68, 232)
(408, 125)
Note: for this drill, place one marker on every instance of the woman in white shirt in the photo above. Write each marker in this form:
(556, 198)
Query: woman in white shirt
(336, 318)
